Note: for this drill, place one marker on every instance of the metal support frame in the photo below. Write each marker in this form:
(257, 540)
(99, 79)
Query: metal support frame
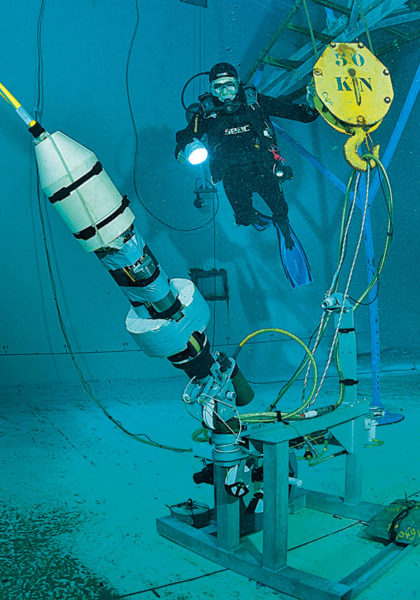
(353, 15)
(270, 567)
(283, 25)
(226, 538)
(227, 513)
(398, 19)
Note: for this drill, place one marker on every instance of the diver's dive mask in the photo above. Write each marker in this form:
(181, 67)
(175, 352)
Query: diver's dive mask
(224, 88)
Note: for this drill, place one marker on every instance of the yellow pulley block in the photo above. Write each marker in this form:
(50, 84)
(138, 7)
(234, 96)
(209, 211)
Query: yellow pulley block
(353, 93)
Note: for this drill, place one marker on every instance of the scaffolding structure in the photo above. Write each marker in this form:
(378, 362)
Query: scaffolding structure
(387, 24)
(390, 24)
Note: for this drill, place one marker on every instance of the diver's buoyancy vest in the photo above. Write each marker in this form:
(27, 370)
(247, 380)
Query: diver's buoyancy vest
(260, 123)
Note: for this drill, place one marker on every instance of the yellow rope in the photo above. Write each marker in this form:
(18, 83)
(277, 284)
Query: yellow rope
(308, 352)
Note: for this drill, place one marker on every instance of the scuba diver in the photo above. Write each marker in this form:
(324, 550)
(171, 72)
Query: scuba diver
(235, 121)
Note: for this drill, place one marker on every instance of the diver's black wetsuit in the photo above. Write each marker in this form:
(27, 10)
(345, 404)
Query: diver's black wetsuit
(243, 149)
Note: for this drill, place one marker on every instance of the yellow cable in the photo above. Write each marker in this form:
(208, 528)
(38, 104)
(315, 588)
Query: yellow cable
(308, 352)
(195, 344)
(9, 97)
(3, 96)
(269, 416)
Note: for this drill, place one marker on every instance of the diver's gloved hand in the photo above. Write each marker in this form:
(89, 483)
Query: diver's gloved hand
(181, 157)
(283, 172)
(310, 93)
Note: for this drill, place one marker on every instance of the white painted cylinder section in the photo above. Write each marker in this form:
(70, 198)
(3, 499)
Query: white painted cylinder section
(61, 162)
(165, 337)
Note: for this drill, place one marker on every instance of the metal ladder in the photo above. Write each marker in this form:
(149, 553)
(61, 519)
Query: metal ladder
(344, 21)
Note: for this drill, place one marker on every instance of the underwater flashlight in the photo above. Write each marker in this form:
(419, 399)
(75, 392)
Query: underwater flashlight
(196, 152)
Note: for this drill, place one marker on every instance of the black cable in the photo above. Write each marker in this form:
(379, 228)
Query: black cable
(40, 62)
(391, 234)
(197, 190)
(285, 381)
(380, 175)
(370, 301)
(321, 537)
(296, 370)
(136, 140)
(80, 352)
(85, 384)
(165, 585)
(83, 352)
(214, 267)
(130, 107)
